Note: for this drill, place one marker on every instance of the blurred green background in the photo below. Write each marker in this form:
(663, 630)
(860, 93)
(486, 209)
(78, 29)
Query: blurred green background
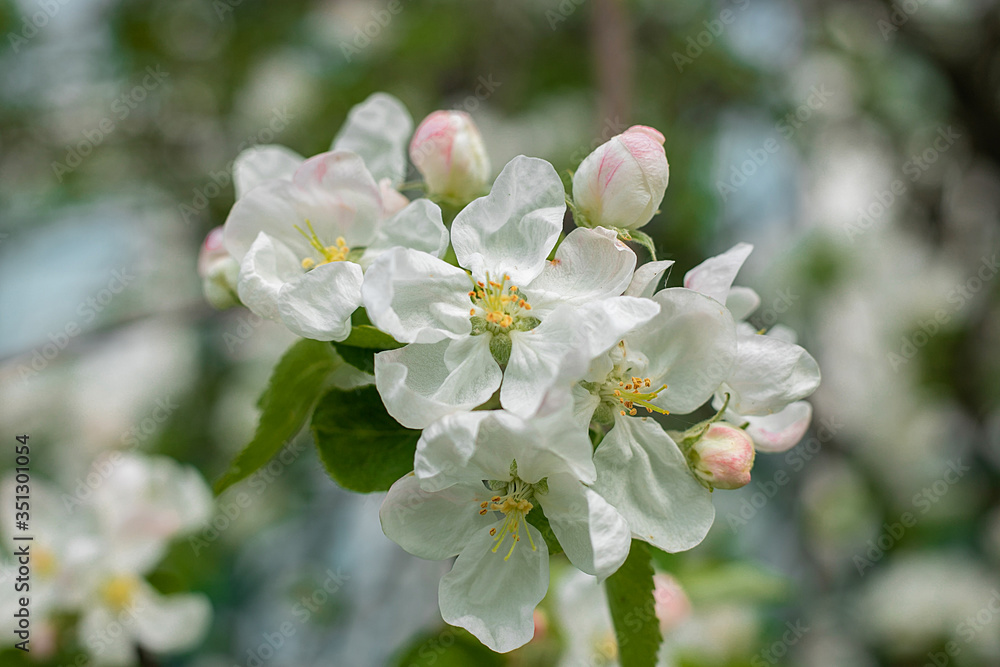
(855, 143)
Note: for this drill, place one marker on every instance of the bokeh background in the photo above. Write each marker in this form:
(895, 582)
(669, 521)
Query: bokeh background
(855, 143)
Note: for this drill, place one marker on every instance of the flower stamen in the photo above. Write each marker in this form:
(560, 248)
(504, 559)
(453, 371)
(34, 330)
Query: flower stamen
(330, 253)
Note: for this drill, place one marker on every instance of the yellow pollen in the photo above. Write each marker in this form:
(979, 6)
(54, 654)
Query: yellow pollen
(499, 302)
(119, 591)
(330, 253)
(632, 396)
(515, 507)
(44, 560)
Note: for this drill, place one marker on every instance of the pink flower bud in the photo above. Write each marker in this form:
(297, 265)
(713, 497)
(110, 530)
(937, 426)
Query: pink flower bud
(219, 271)
(621, 184)
(671, 603)
(723, 456)
(448, 150)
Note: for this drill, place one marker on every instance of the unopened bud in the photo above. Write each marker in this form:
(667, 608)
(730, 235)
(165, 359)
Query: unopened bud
(448, 150)
(622, 183)
(723, 456)
(671, 603)
(219, 271)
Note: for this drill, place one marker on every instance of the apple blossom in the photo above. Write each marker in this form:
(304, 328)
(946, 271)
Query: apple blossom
(673, 363)
(448, 151)
(444, 509)
(303, 243)
(218, 270)
(771, 374)
(505, 318)
(90, 556)
(622, 183)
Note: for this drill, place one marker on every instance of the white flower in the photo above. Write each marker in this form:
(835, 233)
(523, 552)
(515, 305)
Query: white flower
(218, 270)
(673, 363)
(302, 242)
(517, 318)
(448, 150)
(771, 374)
(140, 507)
(93, 547)
(377, 130)
(477, 478)
(622, 183)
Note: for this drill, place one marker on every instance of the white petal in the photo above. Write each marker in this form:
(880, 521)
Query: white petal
(433, 525)
(378, 130)
(647, 278)
(769, 374)
(262, 163)
(267, 267)
(589, 264)
(643, 474)
(421, 383)
(492, 598)
(417, 226)
(690, 346)
(715, 275)
(100, 628)
(782, 430)
(559, 351)
(171, 623)
(416, 297)
(331, 192)
(481, 446)
(782, 332)
(319, 304)
(742, 301)
(594, 535)
(512, 229)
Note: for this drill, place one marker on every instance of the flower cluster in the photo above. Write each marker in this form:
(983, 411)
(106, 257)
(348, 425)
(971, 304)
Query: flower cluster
(93, 547)
(534, 362)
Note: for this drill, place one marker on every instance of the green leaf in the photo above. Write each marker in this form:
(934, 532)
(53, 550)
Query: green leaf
(536, 517)
(368, 337)
(360, 347)
(630, 596)
(298, 380)
(362, 447)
